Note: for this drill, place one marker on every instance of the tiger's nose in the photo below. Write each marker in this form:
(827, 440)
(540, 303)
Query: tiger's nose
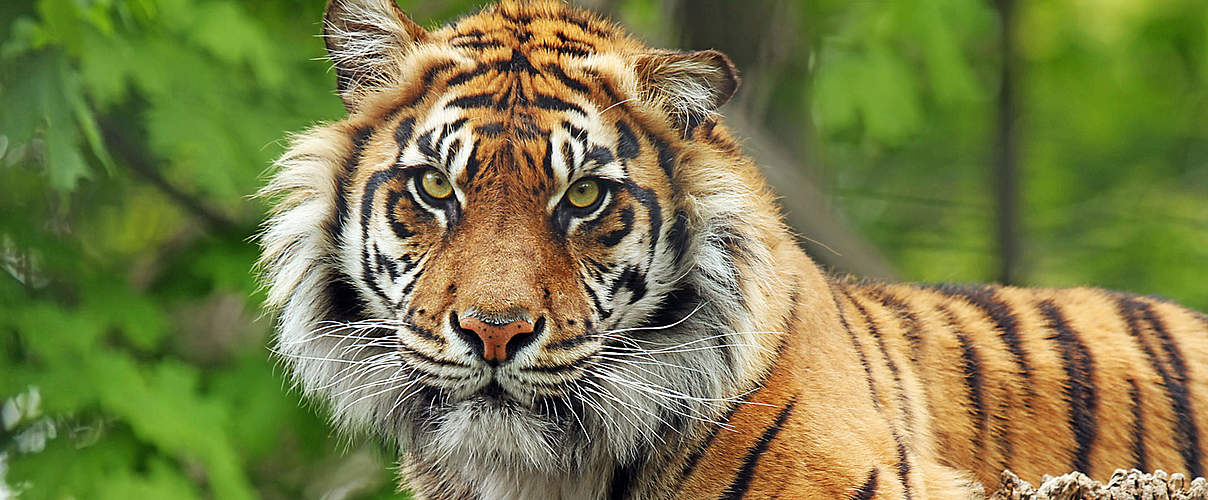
(495, 342)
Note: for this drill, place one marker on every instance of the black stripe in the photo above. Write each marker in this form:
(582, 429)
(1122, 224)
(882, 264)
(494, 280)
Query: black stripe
(482, 100)
(568, 159)
(563, 49)
(665, 153)
(520, 64)
(1140, 457)
(435, 69)
(426, 85)
(402, 133)
(623, 478)
(868, 489)
(986, 299)
(472, 163)
(859, 347)
(875, 331)
(678, 235)
(478, 44)
(547, 161)
(571, 83)
(570, 343)
(335, 225)
(369, 273)
(490, 129)
(910, 322)
(903, 465)
(426, 146)
(401, 231)
(449, 128)
(466, 76)
(790, 324)
(654, 210)
(598, 155)
(343, 301)
(971, 365)
(595, 300)
(633, 279)
(1080, 391)
(546, 101)
(742, 482)
(627, 142)
(612, 238)
(1174, 380)
(572, 40)
(587, 28)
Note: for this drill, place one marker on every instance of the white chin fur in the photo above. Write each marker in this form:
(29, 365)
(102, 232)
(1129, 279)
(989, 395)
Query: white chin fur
(475, 435)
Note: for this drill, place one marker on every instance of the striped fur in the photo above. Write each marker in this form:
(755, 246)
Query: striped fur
(685, 347)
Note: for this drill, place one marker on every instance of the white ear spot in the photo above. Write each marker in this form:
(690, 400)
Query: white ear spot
(688, 85)
(366, 40)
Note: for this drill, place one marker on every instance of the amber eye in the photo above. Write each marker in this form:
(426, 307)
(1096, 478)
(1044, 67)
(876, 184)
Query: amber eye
(436, 184)
(583, 193)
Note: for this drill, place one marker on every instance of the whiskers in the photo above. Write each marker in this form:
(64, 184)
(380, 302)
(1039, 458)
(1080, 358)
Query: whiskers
(634, 382)
(351, 363)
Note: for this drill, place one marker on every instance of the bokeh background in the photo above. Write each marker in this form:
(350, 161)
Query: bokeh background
(1034, 142)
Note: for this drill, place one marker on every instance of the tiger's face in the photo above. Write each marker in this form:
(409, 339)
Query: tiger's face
(497, 258)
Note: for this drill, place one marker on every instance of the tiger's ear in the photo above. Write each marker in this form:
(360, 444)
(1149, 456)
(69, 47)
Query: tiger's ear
(366, 40)
(688, 85)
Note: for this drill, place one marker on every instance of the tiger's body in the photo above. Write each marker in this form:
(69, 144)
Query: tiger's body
(534, 259)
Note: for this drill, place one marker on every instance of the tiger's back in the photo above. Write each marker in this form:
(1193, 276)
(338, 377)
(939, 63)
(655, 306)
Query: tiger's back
(1038, 381)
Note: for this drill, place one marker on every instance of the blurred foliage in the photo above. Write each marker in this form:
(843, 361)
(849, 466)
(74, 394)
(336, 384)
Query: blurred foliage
(132, 356)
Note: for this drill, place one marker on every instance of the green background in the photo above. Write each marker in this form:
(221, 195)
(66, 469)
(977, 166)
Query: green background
(133, 354)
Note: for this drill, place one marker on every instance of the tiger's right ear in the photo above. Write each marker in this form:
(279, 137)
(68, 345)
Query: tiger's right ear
(366, 40)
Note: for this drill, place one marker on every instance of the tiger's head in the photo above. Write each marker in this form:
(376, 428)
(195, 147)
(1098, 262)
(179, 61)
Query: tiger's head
(530, 244)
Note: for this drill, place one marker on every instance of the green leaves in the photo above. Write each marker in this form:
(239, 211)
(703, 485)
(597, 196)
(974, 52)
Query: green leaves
(122, 305)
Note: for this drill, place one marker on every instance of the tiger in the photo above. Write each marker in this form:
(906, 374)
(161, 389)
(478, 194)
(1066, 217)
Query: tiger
(533, 261)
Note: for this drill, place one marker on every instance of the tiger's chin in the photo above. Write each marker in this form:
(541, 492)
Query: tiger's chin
(487, 434)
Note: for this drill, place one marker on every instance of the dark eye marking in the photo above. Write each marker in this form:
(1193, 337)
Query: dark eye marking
(400, 230)
(613, 237)
(647, 198)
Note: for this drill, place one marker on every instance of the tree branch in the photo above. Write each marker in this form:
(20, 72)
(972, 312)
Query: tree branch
(125, 151)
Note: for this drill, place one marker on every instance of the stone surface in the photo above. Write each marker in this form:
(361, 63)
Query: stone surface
(1130, 485)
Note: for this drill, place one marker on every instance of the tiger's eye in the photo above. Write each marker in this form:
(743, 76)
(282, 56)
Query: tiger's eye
(583, 193)
(436, 184)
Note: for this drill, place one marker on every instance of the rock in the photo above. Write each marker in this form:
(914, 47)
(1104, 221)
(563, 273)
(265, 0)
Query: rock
(1130, 485)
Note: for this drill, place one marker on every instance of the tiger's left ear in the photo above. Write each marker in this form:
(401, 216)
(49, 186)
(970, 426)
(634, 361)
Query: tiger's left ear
(366, 40)
(688, 85)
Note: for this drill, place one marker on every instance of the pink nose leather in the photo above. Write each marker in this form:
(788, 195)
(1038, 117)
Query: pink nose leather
(495, 338)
